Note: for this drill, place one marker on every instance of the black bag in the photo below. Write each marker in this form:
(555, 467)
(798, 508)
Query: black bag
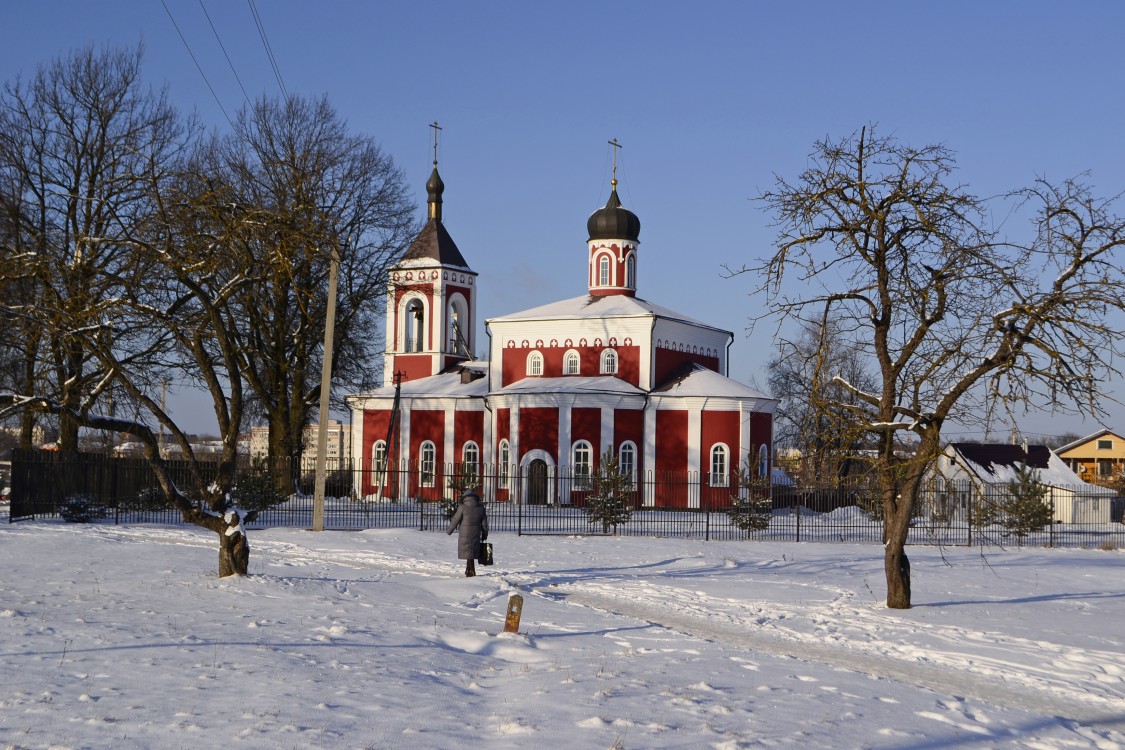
(485, 553)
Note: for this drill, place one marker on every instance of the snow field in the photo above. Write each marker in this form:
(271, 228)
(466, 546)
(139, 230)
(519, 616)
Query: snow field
(123, 637)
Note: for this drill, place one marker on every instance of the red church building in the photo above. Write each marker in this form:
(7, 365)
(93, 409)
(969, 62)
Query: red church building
(563, 384)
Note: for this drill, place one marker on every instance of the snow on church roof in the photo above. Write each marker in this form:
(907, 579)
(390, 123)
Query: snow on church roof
(436, 386)
(570, 384)
(696, 380)
(608, 306)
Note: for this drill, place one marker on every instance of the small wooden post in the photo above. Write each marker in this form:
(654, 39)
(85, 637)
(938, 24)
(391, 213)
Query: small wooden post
(515, 609)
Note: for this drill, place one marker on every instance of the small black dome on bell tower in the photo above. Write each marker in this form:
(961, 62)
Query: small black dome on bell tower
(434, 187)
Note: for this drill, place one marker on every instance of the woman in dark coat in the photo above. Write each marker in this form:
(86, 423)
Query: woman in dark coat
(473, 522)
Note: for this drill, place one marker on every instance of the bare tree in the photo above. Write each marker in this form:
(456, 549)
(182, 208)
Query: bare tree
(957, 321)
(78, 146)
(828, 438)
(125, 286)
(300, 186)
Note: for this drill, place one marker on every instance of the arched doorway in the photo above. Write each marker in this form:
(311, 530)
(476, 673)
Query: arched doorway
(537, 478)
(537, 490)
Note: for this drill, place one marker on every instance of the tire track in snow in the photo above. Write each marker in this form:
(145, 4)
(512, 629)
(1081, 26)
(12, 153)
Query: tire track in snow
(1059, 697)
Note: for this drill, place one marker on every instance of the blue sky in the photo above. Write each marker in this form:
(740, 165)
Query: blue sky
(709, 100)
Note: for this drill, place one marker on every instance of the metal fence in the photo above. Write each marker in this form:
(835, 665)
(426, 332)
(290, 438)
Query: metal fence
(558, 500)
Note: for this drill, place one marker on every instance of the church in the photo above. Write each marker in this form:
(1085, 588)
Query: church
(563, 385)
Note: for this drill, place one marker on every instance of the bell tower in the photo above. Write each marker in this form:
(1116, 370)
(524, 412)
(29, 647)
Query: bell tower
(431, 298)
(613, 240)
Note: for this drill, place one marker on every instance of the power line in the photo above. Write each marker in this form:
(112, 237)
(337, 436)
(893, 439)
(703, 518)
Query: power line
(197, 65)
(268, 48)
(224, 49)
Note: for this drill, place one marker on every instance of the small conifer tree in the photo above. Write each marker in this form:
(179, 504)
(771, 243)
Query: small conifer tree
(608, 501)
(1026, 508)
(464, 477)
(751, 508)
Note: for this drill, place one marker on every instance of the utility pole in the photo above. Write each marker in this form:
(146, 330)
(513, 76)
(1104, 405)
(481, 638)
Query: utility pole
(325, 392)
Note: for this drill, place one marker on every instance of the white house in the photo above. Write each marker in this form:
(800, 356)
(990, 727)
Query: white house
(986, 469)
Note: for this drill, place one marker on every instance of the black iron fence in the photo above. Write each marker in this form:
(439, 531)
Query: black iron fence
(561, 500)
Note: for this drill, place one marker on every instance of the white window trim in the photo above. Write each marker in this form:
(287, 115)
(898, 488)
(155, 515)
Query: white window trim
(475, 462)
(721, 479)
(572, 355)
(422, 464)
(621, 452)
(533, 358)
(378, 474)
(606, 354)
(464, 344)
(581, 481)
(605, 262)
(504, 452)
(408, 323)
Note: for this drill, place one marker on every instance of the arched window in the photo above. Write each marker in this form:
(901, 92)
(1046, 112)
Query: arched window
(414, 326)
(535, 364)
(603, 271)
(458, 331)
(581, 458)
(505, 459)
(763, 460)
(470, 462)
(609, 362)
(571, 363)
(379, 463)
(427, 456)
(719, 464)
(627, 460)
(631, 271)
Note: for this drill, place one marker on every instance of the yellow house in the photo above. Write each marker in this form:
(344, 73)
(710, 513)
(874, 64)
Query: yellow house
(1096, 458)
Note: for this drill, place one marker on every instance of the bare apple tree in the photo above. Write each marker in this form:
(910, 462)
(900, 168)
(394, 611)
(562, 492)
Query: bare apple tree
(955, 320)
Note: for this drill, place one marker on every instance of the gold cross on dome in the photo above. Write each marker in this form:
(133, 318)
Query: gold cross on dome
(436, 128)
(616, 146)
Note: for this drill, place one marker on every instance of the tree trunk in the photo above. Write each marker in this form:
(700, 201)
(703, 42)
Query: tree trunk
(234, 548)
(897, 509)
(282, 452)
(897, 567)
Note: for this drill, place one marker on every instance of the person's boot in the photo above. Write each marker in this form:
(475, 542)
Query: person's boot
(470, 569)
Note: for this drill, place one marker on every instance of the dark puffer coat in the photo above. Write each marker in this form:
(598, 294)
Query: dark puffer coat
(473, 522)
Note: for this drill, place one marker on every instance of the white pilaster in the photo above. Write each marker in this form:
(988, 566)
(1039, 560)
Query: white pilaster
(745, 437)
(648, 455)
(694, 437)
(404, 449)
(449, 446)
(607, 430)
(564, 448)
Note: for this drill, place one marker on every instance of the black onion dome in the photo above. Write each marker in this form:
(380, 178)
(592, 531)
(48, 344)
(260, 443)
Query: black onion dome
(614, 222)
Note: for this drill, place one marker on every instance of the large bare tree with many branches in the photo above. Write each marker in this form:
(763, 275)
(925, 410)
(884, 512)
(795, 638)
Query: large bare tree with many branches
(955, 320)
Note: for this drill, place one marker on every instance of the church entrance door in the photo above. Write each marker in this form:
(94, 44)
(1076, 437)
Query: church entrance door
(537, 482)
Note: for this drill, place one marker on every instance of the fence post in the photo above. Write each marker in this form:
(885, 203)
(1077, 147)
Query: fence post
(706, 510)
(516, 488)
(1051, 523)
(798, 519)
(971, 515)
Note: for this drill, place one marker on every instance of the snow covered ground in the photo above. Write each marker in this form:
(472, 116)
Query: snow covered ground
(122, 636)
